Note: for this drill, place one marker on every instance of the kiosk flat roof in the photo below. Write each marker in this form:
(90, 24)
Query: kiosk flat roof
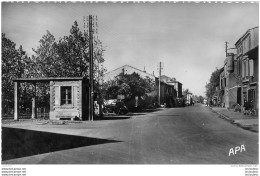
(48, 79)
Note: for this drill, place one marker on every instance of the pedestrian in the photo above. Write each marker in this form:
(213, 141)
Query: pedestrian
(246, 107)
(210, 103)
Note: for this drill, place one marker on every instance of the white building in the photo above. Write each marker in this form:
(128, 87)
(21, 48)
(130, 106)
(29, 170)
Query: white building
(126, 69)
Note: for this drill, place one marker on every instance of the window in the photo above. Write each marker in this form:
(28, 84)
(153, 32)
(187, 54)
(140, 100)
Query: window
(66, 95)
(239, 50)
(238, 67)
(247, 68)
(246, 44)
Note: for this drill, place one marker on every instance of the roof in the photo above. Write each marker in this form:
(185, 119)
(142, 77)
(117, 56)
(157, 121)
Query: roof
(240, 39)
(47, 79)
(131, 67)
(145, 73)
(169, 79)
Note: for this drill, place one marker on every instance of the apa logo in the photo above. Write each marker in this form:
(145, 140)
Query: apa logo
(236, 149)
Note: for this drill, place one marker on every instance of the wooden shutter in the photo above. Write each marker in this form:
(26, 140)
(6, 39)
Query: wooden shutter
(247, 68)
(251, 67)
(243, 69)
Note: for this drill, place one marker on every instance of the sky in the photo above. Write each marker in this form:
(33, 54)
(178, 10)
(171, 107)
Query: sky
(188, 38)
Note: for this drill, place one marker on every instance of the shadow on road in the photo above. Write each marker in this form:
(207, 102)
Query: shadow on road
(17, 143)
(169, 115)
(112, 118)
(151, 110)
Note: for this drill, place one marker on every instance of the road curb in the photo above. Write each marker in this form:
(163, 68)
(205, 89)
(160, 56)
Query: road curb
(246, 127)
(222, 116)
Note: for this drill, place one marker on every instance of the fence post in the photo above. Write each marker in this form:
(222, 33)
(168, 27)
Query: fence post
(16, 101)
(34, 111)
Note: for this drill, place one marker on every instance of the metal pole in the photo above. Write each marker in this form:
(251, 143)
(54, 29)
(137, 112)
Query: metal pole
(226, 48)
(159, 100)
(91, 103)
(34, 108)
(16, 100)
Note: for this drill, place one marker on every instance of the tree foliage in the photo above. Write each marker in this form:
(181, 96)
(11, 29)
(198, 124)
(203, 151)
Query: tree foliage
(15, 64)
(213, 83)
(186, 92)
(200, 99)
(66, 57)
(129, 85)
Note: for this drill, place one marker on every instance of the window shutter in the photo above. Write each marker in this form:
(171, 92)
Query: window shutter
(240, 68)
(243, 69)
(247, 68)
(251, 66)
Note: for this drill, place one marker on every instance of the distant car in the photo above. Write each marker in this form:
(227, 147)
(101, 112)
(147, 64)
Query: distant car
(117, 107)
(163, 106)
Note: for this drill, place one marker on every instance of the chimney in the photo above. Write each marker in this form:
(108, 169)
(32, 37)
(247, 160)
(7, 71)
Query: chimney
(144, 69)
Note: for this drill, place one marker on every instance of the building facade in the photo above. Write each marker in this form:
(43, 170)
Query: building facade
(168, 91)
(239, 79)
(228, 82)
(247, 68)
(69, 97)
(174, 88)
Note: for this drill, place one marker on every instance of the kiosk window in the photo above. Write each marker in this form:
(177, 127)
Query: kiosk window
(66, 95)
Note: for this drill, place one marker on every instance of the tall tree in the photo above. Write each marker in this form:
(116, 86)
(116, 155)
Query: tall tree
(15, 64)
(186, 92)
(68, 57)
(200, 99)
(48, 62)
(213, 83)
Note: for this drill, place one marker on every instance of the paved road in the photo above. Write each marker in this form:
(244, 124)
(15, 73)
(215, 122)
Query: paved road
(190, 135)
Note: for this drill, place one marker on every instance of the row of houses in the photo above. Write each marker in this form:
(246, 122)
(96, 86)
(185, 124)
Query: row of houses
(69, 98)
(170, 88)
(239, 75)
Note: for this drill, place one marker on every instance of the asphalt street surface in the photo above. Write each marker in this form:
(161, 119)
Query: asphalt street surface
(190, 135)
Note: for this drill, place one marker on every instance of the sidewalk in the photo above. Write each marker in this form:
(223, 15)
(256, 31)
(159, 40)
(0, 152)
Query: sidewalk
(244, 121)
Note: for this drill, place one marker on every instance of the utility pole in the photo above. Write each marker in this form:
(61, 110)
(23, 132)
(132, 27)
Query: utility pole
(160, 72)
(92, 28)
(160, 67)
(226, 48)
(91, 92)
